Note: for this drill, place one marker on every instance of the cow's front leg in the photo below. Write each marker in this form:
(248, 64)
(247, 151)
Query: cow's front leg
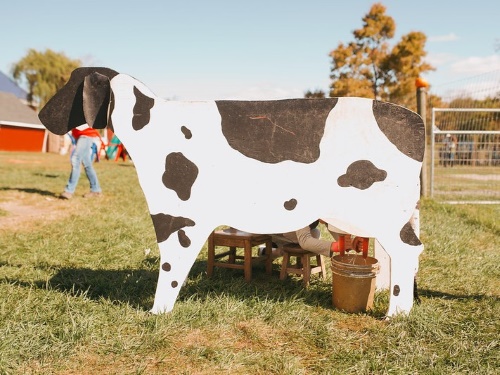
(404, 265)
(175, 263)
(403, 269)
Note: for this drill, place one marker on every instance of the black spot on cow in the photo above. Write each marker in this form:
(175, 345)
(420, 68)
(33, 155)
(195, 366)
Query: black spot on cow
(187, 133)
(180, 174)
(408, 236)
(290, 204)
(142, 109)
(165, 225)
(276, 130)
(361, 174)
(166, 267)
(396, 290)
(404, 128)
(183, 238)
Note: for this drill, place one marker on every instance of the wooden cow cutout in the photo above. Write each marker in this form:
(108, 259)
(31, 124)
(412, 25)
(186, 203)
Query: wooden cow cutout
(260, 166)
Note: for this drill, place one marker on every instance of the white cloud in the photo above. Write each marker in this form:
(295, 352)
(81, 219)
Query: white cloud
(451, 37)
(476, 77)
(475, 89)
(477, 65)
(438, 59)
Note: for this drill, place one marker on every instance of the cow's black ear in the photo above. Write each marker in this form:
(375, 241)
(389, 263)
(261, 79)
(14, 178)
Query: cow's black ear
(96, 94)
(64, 111)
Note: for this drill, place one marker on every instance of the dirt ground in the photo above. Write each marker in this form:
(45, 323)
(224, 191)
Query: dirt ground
(22, 211)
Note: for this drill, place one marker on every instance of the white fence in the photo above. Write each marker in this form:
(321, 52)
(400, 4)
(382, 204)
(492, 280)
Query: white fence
(465, 161)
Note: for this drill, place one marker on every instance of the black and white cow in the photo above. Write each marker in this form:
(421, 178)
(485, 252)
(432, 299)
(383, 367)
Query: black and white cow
(259, 166)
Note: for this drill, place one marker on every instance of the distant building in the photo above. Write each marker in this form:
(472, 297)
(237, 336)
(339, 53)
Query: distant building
(8, 85)
(20, 128)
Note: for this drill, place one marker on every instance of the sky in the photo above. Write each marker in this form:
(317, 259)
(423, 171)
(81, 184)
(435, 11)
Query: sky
(248, 50)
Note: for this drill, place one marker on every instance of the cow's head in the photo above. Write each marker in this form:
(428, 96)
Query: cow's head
(84, 99)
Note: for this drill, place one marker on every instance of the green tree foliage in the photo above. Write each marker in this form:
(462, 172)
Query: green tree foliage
(44, 73)
(369, 67)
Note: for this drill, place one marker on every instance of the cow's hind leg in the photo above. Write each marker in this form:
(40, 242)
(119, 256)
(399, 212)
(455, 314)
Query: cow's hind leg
(404, 265)
(175, 263)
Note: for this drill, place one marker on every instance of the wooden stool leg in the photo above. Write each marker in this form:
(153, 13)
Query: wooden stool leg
(306, 269)
(320, 262)
(211, 255)
(247, 261)
(284, 265)
(232, 254)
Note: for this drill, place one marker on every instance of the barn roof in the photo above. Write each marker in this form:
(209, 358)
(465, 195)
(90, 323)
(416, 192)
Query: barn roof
(14, 112)
(8, 85)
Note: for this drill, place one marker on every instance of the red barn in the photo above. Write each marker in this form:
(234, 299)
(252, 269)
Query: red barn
(20, 128)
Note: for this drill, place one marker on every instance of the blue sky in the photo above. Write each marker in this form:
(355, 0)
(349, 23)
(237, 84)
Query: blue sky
(230, 49)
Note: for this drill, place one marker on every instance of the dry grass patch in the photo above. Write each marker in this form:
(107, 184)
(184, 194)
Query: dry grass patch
(25, 211)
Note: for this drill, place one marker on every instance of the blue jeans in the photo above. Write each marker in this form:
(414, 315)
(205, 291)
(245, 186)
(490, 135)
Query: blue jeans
(82, 154)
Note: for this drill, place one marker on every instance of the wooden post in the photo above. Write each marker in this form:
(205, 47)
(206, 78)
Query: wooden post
(422, 86)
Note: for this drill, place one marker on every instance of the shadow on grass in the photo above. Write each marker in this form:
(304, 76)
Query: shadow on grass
(133, 286)
(137, 286)
(31, 191)
(263, 286)
(448, 296)
(46, 175)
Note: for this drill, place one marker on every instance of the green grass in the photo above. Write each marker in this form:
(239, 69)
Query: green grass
(467, 183)
(77, 281)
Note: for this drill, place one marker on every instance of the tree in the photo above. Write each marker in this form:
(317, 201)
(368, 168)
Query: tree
(403, 65)
(44, 74)
(316, 94)
(368, 67)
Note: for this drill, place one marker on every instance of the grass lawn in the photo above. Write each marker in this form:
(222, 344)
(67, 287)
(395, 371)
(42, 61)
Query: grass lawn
(467, 183)
(77, 279)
